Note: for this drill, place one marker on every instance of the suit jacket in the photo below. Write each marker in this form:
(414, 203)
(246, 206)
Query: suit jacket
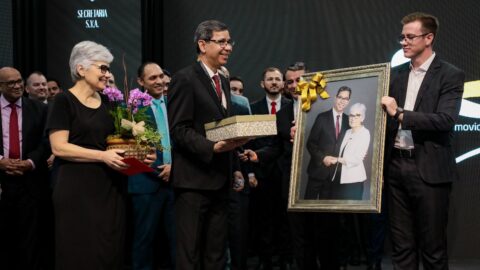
(353, 149)
(145, 183)
(432, 119)
(192, 102)
(261, 107)
(35, 146)
(321, 142)
(281, 149)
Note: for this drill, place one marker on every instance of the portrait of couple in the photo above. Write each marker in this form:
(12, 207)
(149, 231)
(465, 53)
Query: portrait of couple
(339, 146)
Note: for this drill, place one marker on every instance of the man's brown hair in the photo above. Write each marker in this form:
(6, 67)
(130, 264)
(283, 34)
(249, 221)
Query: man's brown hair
(429, 22)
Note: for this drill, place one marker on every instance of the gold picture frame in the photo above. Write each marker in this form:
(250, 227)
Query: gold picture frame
(368, 84)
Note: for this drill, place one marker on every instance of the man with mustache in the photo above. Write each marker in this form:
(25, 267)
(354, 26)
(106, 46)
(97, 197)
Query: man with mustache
(266, 198)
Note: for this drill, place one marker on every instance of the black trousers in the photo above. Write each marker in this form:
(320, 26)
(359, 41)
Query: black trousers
(418, 217)
(201, 220)
(22, 227)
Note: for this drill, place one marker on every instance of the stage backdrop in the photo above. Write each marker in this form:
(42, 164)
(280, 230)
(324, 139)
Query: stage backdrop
(325, 34)
(115, 24)
(6, 37)
(337, 34)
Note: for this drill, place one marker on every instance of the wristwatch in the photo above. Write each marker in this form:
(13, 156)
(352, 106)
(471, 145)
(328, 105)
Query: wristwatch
(398, 112)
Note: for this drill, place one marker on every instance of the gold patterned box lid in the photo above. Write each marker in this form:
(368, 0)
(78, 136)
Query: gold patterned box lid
(241, 119)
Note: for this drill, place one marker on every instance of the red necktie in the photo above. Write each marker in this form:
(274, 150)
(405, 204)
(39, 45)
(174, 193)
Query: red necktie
(217, 86)
(14, 147)
(337, 127)
(274, 108)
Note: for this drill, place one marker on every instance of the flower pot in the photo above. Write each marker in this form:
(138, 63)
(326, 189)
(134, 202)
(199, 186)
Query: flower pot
(130, 146)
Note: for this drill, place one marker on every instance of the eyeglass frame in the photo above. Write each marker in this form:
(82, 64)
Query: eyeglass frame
(222, 43)
(103, 68)
(11, 84)
(410, 38)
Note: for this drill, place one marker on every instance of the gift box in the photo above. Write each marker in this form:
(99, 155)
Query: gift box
(241, 126)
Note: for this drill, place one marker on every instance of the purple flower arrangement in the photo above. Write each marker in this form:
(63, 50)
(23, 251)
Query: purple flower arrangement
(130, 118)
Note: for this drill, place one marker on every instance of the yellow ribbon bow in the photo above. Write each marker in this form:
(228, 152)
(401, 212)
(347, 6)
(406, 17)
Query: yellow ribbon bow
(308, 91)
(137, 128)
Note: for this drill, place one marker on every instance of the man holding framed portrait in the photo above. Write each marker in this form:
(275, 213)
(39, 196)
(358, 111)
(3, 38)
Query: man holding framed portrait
(423, 105)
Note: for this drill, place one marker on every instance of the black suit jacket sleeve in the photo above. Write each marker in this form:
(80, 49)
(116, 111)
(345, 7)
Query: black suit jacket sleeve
(182, 103)
(37, 147)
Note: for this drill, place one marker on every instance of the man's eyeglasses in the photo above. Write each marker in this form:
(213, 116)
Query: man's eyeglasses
(11, 84)
(409, 37)
(354, 115)
(103, 68)
(223, 42)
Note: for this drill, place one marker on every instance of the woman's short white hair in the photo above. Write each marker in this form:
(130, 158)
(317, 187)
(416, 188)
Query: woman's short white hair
(85, 53)
(359, 108)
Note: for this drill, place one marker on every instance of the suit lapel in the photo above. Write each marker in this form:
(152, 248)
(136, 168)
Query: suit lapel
(207, 83)
(434, 67)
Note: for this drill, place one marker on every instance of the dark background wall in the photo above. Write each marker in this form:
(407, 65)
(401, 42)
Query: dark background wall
(324, 34)
(6, 39)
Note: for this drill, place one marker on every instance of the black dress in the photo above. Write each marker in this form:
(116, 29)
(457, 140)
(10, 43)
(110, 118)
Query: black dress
(88, 197)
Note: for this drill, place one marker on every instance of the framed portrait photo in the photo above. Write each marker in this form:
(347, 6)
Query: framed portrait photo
(337, 160)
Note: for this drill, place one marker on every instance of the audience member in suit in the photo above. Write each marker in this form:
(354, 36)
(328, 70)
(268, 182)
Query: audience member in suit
(54, 88)
(236, 86)
(281, 150)
(202, 170)
(36, 87)
(151, 193)
(423, 105)
(239, 201)
(23, 175)
(266, 206)
(350, 173)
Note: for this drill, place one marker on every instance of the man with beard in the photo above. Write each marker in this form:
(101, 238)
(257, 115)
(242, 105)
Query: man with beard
(266, 198)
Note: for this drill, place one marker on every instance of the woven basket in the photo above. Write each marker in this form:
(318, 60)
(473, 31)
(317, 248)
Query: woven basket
(132, 149)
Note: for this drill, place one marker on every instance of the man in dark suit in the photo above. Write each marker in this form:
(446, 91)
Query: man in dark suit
(281, 150)
(266, 205)
(23, 174)
(425, 97)
(323, 142)
(151, 193)
(202, 169)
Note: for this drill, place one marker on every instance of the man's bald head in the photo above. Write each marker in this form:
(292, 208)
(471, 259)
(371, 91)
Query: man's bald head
(11, 83)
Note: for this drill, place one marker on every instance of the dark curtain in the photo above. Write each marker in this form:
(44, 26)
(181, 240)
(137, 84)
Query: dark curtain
(29, 39)
(152, 31)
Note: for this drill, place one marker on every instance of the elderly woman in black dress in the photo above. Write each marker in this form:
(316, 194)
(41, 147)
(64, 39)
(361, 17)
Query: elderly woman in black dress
(89, 197)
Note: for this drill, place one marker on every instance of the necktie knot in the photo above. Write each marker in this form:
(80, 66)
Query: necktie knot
(12, 105)
(274, 107)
